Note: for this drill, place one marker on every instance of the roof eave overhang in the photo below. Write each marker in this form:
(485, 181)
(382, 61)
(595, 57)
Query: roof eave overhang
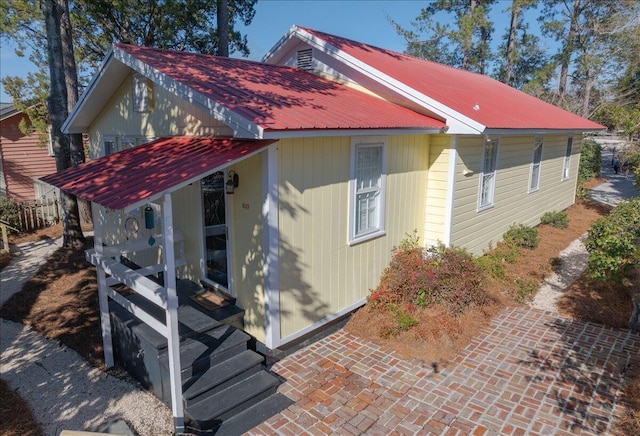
(187, 182)
(538, 131)
(242, 127)
(306, 133)
(459, 123)
(117, 66)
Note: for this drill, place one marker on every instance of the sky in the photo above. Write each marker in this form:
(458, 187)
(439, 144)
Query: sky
(363, 20)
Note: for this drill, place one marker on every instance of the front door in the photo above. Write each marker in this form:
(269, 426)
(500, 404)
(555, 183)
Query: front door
(215, 229)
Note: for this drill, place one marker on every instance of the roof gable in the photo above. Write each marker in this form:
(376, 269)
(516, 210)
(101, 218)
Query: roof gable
(471, 102)
(253, 98)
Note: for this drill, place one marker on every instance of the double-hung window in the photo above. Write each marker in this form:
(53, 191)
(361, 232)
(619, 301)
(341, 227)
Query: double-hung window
(368, 179)
(488, 176)
(534, 183)
(567, 159)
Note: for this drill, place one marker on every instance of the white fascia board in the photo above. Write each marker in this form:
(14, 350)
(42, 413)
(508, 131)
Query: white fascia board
(507, 132)
(242, 127)
(286, 134)
(457, 122)
(68, 126)
(270, 56)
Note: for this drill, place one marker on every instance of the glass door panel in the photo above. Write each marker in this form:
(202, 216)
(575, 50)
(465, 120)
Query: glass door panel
(215, 228)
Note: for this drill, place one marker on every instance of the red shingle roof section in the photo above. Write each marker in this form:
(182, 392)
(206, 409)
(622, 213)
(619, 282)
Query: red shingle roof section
(123, 179)
(498, 106)
(277, 97)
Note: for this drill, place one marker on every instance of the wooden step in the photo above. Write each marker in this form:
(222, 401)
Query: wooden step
(254, 415)
(221, 376)
(212, 410)
(201, 352)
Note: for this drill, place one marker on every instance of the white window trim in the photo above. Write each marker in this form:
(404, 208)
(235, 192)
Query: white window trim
(492, 195)
(566, 166)
(140, 93)
(127, 140)
(534, 164)
(367, 141)
(106, 139)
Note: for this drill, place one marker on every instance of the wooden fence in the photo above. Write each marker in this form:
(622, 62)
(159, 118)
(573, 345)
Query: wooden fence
(37, 214)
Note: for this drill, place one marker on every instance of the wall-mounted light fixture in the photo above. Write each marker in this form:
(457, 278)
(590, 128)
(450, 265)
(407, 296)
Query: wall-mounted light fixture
(233, 182)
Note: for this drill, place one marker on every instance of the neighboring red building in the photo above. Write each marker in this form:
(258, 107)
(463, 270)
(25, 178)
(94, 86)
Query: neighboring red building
(22, 160)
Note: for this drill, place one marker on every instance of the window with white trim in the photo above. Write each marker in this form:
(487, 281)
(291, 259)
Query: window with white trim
(368, 182)
(567, 159)
(486, 194)
(127, 142)
(141, 93)
(110, 145)
(534, 183)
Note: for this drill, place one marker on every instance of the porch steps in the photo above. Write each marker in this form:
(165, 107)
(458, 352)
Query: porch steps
(225, 387)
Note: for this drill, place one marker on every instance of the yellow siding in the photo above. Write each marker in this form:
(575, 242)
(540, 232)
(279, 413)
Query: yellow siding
(246, 230)
(513, 203)
(320, 273)
(437, 184)
(169, 116)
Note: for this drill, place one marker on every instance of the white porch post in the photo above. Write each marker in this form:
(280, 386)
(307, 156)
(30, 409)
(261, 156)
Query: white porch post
(105, 320)
(172, 315)
(271, 246)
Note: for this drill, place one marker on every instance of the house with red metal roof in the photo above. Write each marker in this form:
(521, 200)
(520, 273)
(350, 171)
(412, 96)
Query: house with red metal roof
(286, 183)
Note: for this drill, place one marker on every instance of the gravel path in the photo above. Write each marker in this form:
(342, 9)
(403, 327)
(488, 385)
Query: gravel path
(62, 389)
(617, 188)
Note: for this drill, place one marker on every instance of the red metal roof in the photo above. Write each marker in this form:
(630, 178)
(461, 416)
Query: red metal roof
(139, 174)
(277, 97)
(498, 106)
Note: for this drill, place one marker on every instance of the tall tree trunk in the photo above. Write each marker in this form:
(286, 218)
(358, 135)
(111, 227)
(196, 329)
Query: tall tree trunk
(567, 50)
(511, 41)
(468, 37)
(54, 11)
(223, 27)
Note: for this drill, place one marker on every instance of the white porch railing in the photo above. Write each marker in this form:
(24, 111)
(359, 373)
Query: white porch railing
(107, 262)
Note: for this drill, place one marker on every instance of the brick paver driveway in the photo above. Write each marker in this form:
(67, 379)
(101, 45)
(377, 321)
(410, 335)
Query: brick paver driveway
(528, 373)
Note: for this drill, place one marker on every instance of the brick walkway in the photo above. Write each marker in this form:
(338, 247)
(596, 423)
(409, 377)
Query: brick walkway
(527, 373)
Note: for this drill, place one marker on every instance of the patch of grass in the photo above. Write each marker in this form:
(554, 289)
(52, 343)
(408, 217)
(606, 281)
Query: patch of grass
(16, 417)
(525, 289)
(494, 261)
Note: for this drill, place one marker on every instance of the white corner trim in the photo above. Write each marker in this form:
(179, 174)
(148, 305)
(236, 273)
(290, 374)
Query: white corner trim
(271, 246)
(461, 124)
(451, 181)
(242, 127)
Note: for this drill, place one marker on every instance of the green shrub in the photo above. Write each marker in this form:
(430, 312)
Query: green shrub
(523, 236)
(590, 160)
(556, 219)
(613, 242)
(9, 212)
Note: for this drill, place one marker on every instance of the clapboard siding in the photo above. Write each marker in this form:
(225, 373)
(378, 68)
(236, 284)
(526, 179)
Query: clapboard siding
(320, 273)
(23, 159)
(514, 204)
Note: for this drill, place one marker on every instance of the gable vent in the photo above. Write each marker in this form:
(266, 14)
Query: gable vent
(305, 59)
